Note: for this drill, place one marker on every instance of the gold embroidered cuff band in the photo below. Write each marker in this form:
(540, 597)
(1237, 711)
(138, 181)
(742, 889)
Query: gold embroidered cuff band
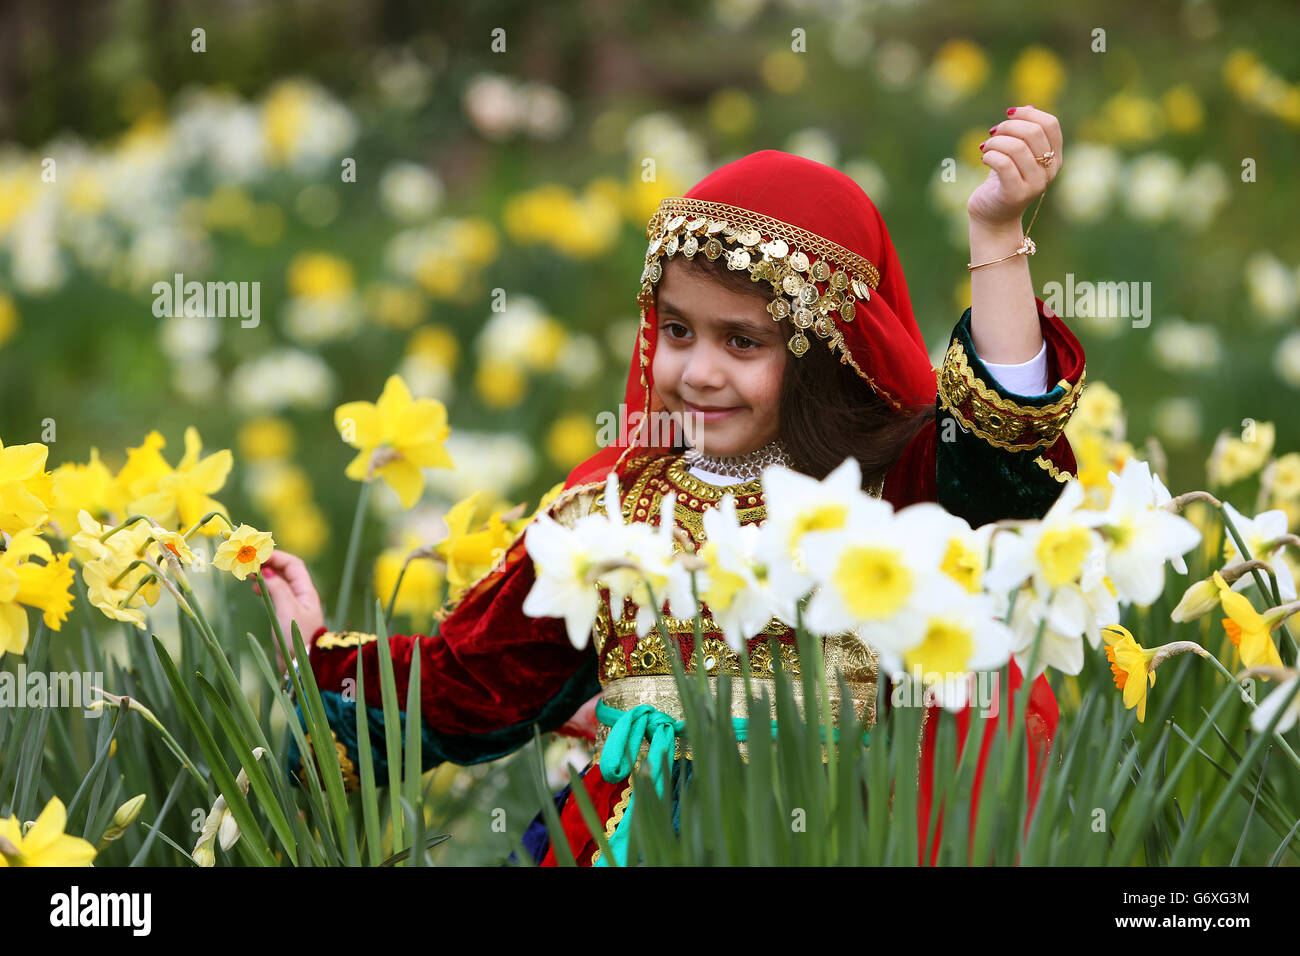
(999, 421)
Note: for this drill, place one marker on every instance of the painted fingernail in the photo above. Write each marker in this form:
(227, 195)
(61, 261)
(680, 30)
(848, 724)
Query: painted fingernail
(982, 144)
(993, 129)
(1011, 110)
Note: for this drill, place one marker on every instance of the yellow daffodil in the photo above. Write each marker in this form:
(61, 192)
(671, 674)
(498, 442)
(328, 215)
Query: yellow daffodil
(1198, 600)
(1129, 662)
(78, 486)
(24, 583)
(470, 550)
(23, 499)
(139, 476)
(45, 844)
(1247, 628)
(173, 542)
(421, 593)
(244, 551)
(109, 597)
(183, 496)
(407, 434)
(265, 439)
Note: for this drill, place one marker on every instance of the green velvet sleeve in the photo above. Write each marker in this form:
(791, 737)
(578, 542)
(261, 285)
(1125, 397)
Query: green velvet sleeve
(998, 454)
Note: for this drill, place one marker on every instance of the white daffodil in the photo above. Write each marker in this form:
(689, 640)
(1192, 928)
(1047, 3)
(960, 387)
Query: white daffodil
(965, 550)
(734, 584)
(956, 634)
(876, 571)
(1050, 552)
(798, 505)
(1257, 532)
(1282, 695)
(1061, 646)
(1140, 537)
(561, 588)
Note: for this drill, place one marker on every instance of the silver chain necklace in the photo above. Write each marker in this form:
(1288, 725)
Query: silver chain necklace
(747, 466)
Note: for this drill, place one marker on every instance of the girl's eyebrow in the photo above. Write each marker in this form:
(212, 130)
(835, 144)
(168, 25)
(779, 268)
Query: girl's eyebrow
(744, 325)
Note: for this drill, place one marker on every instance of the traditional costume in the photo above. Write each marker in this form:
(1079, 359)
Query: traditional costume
(492, 673)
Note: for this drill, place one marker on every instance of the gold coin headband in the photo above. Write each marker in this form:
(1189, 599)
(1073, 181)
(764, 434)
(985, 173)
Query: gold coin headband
(814, 279)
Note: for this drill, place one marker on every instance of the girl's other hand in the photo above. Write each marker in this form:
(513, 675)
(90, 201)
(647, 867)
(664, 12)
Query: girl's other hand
(294, 597)
(1016, 177)
(583, 723)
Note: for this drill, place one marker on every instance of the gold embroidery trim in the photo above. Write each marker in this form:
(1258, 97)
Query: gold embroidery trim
(331, 640)
(617, 813)
(351, 782)
(997, 420)
(1051, 469)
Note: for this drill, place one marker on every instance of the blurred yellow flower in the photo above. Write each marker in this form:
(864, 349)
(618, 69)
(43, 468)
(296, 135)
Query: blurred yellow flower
(265, 439)
(1233, 459)
(184, 495)
(1129, 663)
(394, 306)
(396, 437)
(641, 199)
(1128, 118)
(1037, 76)
(421, 593)
(1183, 111)
(319, 275)
(1099, 409)
(45, 844)
(731, 111)
(302, 529)
(23, 498)
(8, 318)
(78, 486)
(475, 241)
(244, 551)
(278, 486)
(783, 71)
(139, 476)
(1247, 628)
(500, 384)
(471, 553)
(1286, 478)
(227, 208)
(570, 439)
(436, 343)
(24, 584)
(285, 117)
(959, 69)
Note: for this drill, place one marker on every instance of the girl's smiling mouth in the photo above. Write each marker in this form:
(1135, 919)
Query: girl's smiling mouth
(707, 413)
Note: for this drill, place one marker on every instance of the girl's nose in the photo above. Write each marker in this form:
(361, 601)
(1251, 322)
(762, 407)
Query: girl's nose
(703, 370)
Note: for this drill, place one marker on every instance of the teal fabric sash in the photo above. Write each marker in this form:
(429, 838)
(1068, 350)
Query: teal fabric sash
(627, 729)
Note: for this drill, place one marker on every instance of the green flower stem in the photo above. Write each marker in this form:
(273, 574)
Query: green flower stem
(275, 624)
(1254, 705)
(205, 519)
(350, 561)
(170, 741)
(130, 520)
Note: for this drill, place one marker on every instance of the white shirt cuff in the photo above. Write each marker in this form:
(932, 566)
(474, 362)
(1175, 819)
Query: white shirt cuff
(1027, 378)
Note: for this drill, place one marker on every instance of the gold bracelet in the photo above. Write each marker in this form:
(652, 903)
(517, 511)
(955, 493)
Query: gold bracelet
(1027, 247)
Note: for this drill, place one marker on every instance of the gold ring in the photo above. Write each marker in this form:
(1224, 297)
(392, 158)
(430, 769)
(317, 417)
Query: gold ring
(1046, 159)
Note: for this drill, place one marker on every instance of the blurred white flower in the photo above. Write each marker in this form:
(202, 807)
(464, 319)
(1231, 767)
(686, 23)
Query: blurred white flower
(1286, 360)
(546, 113)
(185, 337)
(1202, 194)
(404, 80)
(427, 378)
(409, 191)
(493, 105)
(871, 178)
(580, 360)
(1088, 184)
(1152, 185)
(311, 321)
(196, 379)
(1271, 286)
(1177, 421)
(815, 144)
(897, 63)
(496, 464)
(1182, 346)
(281, 379)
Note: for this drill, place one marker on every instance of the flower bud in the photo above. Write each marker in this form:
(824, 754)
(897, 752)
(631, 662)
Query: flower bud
(1198, 600)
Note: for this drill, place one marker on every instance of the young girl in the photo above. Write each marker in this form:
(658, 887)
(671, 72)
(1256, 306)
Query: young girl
(776, 320)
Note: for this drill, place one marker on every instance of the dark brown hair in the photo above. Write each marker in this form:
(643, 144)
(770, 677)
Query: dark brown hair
(828, 412)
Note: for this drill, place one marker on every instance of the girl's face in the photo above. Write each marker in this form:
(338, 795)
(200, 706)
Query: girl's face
(718, 363)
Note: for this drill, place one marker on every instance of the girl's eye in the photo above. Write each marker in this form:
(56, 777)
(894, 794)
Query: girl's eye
(748, 343)
(672, 329)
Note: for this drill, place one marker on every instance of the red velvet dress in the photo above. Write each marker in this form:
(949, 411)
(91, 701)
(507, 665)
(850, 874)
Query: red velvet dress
(492, 672)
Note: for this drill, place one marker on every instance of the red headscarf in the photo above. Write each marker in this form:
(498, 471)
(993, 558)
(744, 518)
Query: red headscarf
(814, 209)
